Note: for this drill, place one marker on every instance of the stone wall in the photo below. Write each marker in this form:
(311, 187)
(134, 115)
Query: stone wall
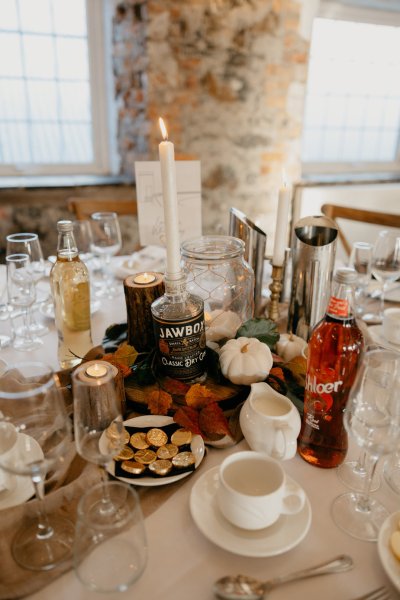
(228, 77)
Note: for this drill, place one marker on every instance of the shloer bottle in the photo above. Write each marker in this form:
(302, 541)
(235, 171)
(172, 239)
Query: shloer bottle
(69, 279)
(334, 351)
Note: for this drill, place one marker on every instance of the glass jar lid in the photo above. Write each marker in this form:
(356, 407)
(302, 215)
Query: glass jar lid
(213, 248)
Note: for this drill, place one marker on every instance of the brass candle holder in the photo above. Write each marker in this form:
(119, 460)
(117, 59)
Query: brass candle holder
(276, 288)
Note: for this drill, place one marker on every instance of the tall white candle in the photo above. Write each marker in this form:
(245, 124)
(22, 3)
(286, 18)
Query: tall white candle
(171, 217)
(282, 220)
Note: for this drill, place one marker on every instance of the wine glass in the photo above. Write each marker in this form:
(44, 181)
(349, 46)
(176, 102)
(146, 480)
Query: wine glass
(361, 261)
(372, 417)
(98, 424)
(31, 403)
(106, 242)
(84, 240)
(109, 557)
(21, 295)
(386, 262)
(29, 243)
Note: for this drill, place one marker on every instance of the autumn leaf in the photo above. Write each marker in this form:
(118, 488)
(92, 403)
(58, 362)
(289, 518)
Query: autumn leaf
(188, 417)
(213, 421)
(159, 402)
(199, 396)
(174, 386)
(277, 372)
(126, 354)
(122, 368)
(298, 367)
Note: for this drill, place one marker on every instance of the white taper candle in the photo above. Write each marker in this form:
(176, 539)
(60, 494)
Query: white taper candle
(171, 217)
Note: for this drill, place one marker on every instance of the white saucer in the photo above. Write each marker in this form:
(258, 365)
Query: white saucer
(196, 446)
(285, 534)
(389, 562)
(376, 333)
(28, 448)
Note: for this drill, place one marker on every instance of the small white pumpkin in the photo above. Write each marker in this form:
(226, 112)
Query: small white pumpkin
(289, 346)
(245, 360)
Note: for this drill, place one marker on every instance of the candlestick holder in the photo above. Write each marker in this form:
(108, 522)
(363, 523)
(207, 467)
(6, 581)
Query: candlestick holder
(276, 288)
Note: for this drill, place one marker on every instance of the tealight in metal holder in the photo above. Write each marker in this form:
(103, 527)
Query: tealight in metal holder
(276, 289)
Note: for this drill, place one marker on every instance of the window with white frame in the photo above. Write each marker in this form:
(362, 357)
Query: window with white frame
(53, 118)
(352, 108)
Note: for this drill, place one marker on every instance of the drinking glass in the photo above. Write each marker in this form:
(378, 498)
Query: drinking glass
(109, 556)
(391, 471)
(29, 243)
(98, 424)
(84, 240)
(372, 417)
(6, 328)
(361, 261)
(32, 402)
(386, 262)
(106, 242)
(21, 295)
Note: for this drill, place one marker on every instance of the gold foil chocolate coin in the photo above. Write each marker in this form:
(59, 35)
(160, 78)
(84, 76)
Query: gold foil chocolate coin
(130, 466)
(183, 459)
(167, 451)
(145, 457)
(156, 437)
(138, 440)
(181, 437)
(126, 436)
(161, 467)
(125, 454)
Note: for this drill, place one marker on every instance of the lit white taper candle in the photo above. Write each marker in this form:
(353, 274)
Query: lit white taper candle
(171, 218)
(282, 220)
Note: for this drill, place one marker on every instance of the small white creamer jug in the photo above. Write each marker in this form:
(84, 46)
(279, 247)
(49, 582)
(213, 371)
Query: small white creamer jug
(270, 422)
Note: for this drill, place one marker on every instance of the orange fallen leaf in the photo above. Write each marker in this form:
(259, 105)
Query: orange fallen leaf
(188, 418)
(199, 396)
(159, 402)
(213, 421)
(122, 368)
(173, 386)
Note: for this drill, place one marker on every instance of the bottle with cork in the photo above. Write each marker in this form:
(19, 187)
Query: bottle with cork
(70, 286)
(334, 351)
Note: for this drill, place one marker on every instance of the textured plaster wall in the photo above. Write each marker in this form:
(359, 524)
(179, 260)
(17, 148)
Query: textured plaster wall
(228, 77)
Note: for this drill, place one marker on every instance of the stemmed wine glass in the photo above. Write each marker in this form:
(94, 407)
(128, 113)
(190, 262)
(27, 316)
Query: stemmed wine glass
(21, 295)
(386, 262)
(29, 243)
(98, 424)
(372, 417)
(31, 403)
(6, 334)
(106, 242)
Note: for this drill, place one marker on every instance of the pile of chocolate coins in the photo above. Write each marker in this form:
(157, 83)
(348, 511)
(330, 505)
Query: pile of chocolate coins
(155, 452)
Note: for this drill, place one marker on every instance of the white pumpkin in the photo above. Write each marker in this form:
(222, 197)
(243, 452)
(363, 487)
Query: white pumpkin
(245, 360)
(289, 346)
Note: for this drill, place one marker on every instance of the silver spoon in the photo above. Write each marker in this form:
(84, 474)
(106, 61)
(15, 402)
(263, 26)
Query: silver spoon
(241, 587)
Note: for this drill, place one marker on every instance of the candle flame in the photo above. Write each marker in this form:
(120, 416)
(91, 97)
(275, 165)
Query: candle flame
(164, 131)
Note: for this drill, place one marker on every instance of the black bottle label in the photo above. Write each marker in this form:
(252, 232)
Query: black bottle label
(181, 347)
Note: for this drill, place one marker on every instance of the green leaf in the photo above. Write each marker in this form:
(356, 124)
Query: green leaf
(264, 330)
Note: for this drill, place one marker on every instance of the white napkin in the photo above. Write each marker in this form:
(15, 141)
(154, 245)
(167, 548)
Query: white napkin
(150, 258)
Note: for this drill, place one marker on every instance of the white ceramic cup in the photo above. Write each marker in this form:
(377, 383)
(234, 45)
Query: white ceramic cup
(253, 491)
(270, 422)
(8, 452)
(391, 325)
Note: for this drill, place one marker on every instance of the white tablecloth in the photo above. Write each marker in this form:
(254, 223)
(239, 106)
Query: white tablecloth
(183, 564)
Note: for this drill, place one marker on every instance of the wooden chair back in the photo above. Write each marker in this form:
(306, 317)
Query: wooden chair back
(335, 212)
(82, 208)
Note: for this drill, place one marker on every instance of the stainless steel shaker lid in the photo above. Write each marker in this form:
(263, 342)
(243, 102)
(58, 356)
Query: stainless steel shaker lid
(316, 231)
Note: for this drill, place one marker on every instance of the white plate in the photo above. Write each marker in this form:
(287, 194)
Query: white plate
(283, 535)
(389, 562)
(376, 333)
(28, 448)
(197, 447)
(47, 310)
